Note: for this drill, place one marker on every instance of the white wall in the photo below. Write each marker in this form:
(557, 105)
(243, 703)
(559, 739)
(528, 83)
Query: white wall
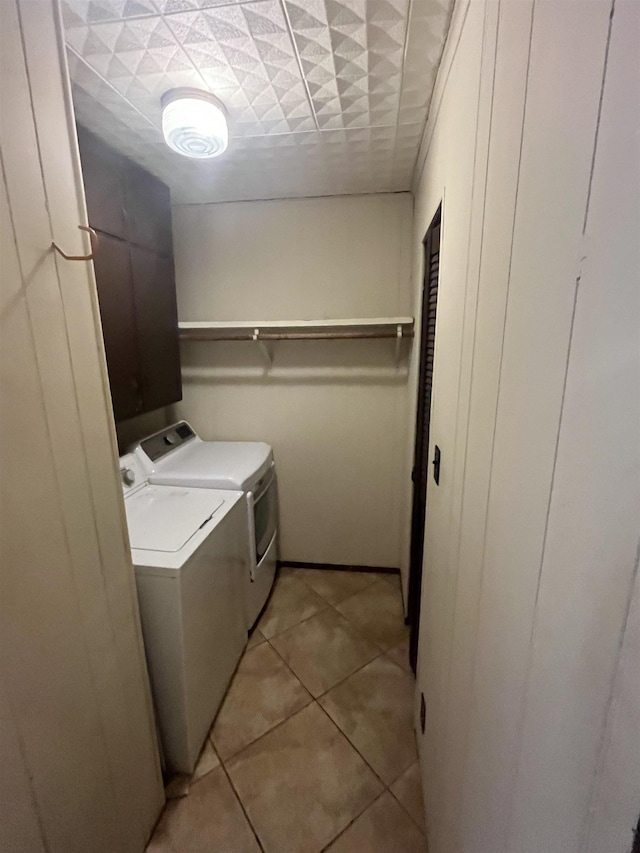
(530, 549)
(333, 411)
(80, 768)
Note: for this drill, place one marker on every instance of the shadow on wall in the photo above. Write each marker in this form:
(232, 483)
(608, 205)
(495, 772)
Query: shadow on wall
(363, 362)
(135, 429)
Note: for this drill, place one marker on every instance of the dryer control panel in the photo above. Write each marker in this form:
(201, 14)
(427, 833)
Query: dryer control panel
(163, 442)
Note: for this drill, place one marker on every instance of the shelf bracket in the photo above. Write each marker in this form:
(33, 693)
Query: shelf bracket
(398, 344)
(263, 347)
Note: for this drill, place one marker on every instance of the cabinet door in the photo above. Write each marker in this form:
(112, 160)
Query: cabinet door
(148, 211)
(103, 172)
(157, 326)
(117, 311)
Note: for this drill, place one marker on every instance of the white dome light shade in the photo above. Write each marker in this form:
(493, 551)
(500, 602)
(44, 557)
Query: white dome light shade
(194, 123)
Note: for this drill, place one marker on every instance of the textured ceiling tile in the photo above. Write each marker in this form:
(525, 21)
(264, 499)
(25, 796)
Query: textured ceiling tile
(306, 14)
(265, 18)
(80, 12)
(169, 7)
(217, 26)
(362, 71)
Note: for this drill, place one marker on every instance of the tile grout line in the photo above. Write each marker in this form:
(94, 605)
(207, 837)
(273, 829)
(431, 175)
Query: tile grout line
(314, 700)
(405, 809)
(351, 744)
(241, 804)
(354, 627)
(351, 822)
(272, 729)
(357, 817)
(386, 787)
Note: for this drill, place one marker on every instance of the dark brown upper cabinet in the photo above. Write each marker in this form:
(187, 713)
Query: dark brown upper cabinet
(104, 182)
(133, 261)
(155, 309)
(148, 211)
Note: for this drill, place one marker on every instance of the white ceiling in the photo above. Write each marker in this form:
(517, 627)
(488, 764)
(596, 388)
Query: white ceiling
(325, 97)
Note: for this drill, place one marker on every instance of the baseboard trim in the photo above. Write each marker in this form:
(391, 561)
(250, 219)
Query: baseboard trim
(338, 567)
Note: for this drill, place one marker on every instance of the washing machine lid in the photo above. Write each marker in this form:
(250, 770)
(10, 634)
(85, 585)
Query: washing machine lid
(162, 518)
(214, 465)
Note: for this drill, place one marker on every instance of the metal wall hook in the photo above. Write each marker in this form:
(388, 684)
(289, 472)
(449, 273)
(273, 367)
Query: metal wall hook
(92, 236)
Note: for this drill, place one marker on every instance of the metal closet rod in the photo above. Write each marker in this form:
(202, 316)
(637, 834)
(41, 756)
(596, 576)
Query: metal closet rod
(264, 335)
(321, 332)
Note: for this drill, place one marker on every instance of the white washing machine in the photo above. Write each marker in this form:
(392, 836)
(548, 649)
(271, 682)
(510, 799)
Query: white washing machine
(177, 456)
(189, 552)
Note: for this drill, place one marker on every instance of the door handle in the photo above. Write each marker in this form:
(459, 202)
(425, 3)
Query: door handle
(436, 465)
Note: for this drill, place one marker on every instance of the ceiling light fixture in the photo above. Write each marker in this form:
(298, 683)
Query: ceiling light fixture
(194, 123)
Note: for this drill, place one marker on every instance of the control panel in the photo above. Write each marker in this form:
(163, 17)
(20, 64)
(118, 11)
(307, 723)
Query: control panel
(163, 442)
(132, 476)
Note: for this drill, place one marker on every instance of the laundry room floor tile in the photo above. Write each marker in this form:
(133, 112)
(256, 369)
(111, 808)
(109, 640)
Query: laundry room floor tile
(377, 612)
(291, 601)
(383, 828)
(393, 579)
(263, 693)
(302, 783)
(374, 708)
(400, 654)
(334, 585)
(209, 818)
(408, 791)
(207, 762)
(283, 774)
(324, 650)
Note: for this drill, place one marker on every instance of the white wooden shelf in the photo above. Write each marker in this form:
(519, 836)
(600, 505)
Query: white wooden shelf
(297, 330)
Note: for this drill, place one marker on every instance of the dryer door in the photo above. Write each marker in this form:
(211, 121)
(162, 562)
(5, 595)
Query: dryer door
(265, 514)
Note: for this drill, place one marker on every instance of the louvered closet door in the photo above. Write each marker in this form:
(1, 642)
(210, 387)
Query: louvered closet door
(421, 461)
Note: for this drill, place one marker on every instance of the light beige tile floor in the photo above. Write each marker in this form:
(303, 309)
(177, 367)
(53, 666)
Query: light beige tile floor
(407, 789)
(313, 748)
(377, 613)
(263, 693)
(334, 586)
(324, 650)
(400, 654)
(374, 709)
(302, 784)
(291, 601)
(383, 828)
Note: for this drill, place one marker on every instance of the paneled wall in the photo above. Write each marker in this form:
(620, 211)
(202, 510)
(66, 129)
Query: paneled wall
(80, 768)
(532, 535)
(334, 411)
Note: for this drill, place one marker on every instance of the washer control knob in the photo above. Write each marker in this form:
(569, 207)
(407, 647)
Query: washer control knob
(128, 477)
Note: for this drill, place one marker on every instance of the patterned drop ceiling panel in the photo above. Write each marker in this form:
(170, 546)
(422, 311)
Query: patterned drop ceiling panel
(325, 97)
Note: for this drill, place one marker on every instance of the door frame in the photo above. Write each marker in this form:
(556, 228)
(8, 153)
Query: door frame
(420, 451)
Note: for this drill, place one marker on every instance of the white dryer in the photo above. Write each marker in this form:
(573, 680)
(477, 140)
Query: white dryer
(177, 456)
(189, 552)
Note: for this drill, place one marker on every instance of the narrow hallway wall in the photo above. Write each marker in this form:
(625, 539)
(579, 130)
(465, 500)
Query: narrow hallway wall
(78, 748)
(530, 549)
